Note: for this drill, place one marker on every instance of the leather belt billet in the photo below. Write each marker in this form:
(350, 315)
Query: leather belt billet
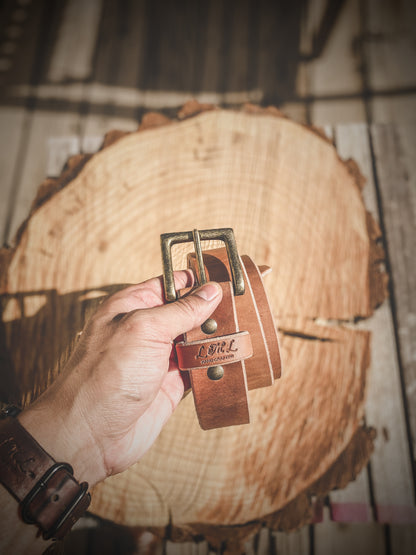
(237, 349)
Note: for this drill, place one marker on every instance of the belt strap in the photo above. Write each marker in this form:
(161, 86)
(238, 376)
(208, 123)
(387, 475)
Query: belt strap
(220, 400)
(243, 321)
(237, 349)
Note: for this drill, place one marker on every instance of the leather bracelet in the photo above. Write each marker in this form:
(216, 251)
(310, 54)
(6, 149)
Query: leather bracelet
(48, 494)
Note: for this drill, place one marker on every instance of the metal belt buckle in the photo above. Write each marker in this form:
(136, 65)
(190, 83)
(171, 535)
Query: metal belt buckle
(167, 240)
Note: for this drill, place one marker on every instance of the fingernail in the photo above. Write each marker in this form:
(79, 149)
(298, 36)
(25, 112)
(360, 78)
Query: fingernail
(208, 292)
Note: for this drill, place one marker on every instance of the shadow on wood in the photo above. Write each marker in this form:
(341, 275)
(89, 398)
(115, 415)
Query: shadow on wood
(34, 346)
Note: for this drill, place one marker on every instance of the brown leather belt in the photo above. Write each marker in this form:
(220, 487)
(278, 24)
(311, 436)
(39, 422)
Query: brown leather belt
(235, 350)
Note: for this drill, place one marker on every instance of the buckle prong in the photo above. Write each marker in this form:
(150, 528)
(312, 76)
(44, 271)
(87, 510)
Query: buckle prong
(201, 277)
(167, 240)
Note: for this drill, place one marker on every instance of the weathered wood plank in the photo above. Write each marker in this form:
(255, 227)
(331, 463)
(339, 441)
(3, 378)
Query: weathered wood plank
(210, 70)
(59, 150)
(390, 464)
(26, 37)
(171, 46)
(335, 71)
(337, 111)
(107, 47)
(295, 111)
(394, 148)
(224, 79)
(12, 122)
(403, 539)
(235, 74)
(131, 38)
(351, 504)
(344, 539)
(44, 125)
(117, 69)
(23, 28)
(185, 548)
(278, 29)
(91, 143)
(293, 543)
(262, 542)
(397, 109)
(389, 55)
(74, 49)
(390, 44)
(97, 125)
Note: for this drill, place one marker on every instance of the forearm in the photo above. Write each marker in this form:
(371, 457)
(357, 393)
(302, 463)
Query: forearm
(62, 432)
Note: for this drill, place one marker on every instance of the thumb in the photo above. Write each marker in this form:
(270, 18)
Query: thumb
(188, 312)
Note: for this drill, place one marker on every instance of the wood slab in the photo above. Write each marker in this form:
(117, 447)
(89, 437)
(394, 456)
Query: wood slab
(294, 205)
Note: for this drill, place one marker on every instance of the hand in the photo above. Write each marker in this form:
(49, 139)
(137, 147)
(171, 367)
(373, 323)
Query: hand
(119, 387)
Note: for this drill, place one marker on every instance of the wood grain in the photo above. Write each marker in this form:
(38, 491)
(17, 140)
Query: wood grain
(12, 122)
(391, 472)
(396, 169)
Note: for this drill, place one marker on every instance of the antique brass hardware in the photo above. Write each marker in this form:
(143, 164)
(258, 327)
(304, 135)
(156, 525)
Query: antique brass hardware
(167, 240)
(215, 372)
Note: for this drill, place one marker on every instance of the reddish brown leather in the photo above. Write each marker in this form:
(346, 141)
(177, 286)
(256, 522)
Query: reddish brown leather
(269, 335)
(223, 402)
(222, 350)
(214, 400)
(254, 314)
(23, 463)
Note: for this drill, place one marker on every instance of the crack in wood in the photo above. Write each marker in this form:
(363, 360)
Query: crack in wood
(300, 335)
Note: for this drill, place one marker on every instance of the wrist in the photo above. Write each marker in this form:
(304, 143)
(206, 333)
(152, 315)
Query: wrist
(66, 438)
(48, 494)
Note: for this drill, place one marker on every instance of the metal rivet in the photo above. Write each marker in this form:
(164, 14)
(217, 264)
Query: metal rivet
(215, 372)
(209, 326)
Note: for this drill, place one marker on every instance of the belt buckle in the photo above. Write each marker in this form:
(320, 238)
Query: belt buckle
(226, 234)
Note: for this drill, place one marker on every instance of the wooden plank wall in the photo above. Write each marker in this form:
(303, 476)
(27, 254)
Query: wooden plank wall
(389, 52)
(394, 157)
(332, 82)
(366, 73)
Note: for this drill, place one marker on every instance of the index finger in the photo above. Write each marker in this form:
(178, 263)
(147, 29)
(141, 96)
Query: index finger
(148, 294)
